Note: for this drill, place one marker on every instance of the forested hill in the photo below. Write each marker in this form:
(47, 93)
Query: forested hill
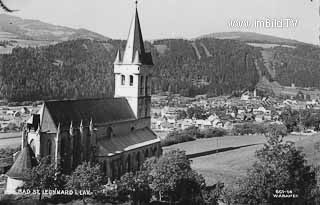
(299, 65)
(84, 68)
(287, 61)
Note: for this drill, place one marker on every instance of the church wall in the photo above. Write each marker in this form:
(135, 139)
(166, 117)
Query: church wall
(48, 144)
(34, 141)
(12, 185)
(131, 160)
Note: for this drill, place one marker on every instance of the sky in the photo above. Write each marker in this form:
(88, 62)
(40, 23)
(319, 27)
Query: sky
(179, 18)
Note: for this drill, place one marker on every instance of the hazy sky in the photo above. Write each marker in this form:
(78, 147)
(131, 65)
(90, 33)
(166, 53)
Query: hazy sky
(175, 18)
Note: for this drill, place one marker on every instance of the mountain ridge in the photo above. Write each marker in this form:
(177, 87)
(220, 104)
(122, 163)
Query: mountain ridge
(251, 37)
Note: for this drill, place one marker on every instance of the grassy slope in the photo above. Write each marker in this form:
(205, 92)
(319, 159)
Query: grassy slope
(227, 166)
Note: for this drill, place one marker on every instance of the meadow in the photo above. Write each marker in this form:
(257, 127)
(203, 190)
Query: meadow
(227, 166)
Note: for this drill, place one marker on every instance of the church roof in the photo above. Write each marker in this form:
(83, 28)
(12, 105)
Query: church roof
(25, 161)
(137, 138)
(100, 111)
(135, 44)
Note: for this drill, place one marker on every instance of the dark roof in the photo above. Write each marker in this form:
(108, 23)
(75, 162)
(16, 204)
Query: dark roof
(137, 138)
(101, 111)
(25, 161)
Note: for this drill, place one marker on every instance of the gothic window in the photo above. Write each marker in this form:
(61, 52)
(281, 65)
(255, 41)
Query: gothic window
(154, 151)
(138, 160)
(128, 165)
(146, 85)
(146, 110)
(140, 108)
(141, 85)
(109, 132)
(131, 80)
(49, 148)
(104, 167)
(146, 153)
(113, 169)
(123, 80)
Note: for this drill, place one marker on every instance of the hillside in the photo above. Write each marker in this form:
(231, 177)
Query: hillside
(83, 68)
(15, 31)
(287, 62)
(251, 37)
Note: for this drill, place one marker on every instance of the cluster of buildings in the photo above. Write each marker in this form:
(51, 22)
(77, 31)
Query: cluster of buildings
(221, 112)
(12, 117)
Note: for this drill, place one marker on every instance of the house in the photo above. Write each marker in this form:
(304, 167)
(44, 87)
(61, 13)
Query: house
(203, 124)
(17, 114)
(25, 111)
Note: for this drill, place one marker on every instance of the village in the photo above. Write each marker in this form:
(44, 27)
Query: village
(171, 113)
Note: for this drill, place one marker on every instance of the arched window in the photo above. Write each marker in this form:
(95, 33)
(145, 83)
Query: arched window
(128, 164)
(109, 132)
(49, 148)
(146, 153)
(123, 80)
(141, 85)
(104, 168)
(154, 151)
(131, 80)
(138, 160)
(146, 114)
(146, 85)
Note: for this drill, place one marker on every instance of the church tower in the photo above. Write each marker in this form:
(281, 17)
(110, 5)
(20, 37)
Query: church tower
(133, 70)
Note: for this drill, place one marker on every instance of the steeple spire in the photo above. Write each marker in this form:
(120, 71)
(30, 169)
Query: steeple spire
(118, 58)
(135, 40)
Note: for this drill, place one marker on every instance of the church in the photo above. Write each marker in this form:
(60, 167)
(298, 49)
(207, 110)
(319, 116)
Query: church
(112, 131)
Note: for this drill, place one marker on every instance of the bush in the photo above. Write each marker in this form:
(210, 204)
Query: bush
(190, 134)
(212, 132)
(176, 137)
(249, 128)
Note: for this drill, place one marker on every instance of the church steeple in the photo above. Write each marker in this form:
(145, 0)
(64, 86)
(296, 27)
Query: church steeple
(133, 72)
(135, 40)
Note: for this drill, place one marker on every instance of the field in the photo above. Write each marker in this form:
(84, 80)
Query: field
(229, 165)
(11, 140)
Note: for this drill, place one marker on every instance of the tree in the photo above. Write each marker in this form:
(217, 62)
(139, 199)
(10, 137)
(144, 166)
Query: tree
(197, 112)
(44, 176)
(174, 180)
(181, 114)
(290, 119)
(87, 176)
(280, 166)
(136, 186)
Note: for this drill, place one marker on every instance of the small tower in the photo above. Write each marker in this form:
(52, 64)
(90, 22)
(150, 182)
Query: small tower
(132, 72)
(17, 175)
